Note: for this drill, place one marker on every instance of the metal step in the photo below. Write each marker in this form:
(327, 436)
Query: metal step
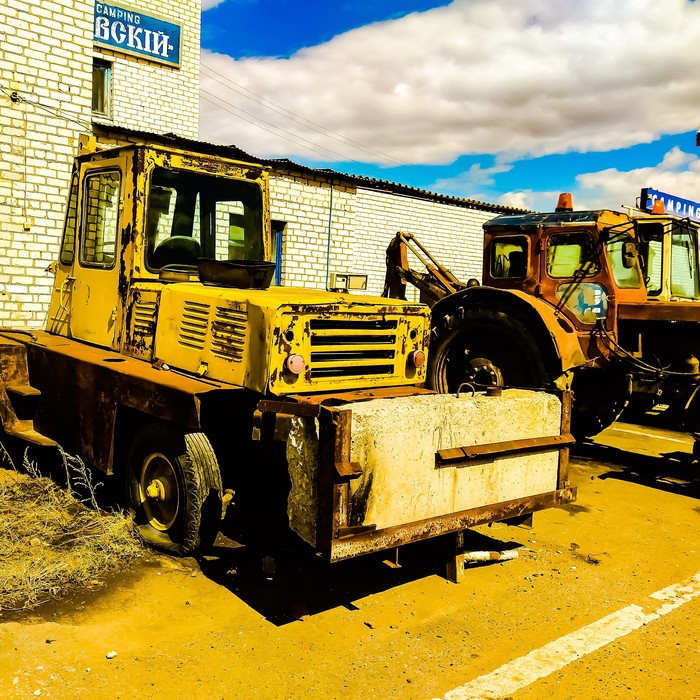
(24, 430)
(23, 390)
(24, 399)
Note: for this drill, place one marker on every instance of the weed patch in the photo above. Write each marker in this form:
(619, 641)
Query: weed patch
(51, 538)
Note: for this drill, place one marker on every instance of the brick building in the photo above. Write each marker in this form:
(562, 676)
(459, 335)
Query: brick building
(333, 223)
(66, 65)
(70, 67)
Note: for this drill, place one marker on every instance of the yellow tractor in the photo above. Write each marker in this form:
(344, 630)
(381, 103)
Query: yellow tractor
(170, 361)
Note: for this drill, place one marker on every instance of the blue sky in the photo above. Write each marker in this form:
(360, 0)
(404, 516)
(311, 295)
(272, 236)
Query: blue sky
(497, 100)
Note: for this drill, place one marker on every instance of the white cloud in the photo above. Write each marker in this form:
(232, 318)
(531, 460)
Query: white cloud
(208, 4)
(531, 77)
(473, 178)
(678, 173)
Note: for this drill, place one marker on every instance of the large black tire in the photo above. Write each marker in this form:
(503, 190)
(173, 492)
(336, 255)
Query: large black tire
(484, 346)
(173, 487)
(600, 396)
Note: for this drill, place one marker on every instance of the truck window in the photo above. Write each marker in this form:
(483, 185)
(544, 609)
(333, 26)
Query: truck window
(586, 300)
(651, 254)
(571, 255)
(653, 266)
(684, 278)
(625, 277)
(68, 245)
(192, 215)
(509, 257)
(100, 219)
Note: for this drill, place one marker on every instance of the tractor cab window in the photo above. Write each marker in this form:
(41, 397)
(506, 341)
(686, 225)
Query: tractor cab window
(192, 215)
(655, 240)
(625, 270)
(100, 219)
(509, 259)
(69, 228)
(684, 264)
(571, 255)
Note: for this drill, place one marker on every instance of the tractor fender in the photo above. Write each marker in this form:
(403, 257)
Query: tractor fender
(552, 331)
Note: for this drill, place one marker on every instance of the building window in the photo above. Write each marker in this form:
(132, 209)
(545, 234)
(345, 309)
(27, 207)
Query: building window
(102, 87)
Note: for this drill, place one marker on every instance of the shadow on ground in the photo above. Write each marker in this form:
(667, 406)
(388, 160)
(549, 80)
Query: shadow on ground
(291, 584)
(674, 471)
(284, 582)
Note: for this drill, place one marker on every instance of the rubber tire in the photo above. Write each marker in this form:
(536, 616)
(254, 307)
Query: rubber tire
(600, 397)
(478, 332)
(196, 478)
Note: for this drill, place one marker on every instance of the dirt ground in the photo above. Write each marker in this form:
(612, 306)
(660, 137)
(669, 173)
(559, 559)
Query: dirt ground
(218, 628)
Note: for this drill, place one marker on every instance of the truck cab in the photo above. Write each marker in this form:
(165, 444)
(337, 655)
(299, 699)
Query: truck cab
(166, 256)
(583, 264)
(626, 284)
(138, 216)
(668, 250)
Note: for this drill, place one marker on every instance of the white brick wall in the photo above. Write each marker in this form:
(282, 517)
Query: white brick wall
(46, 60)
(350, 234)
(453, 234)
(36, 142)
(313, 212)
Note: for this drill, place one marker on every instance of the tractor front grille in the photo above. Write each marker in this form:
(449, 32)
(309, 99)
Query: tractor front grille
(352, 348)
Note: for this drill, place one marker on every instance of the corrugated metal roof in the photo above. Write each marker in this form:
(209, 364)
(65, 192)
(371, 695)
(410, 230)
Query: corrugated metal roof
(132, 135)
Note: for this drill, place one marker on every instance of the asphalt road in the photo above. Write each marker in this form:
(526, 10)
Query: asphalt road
(602, 602)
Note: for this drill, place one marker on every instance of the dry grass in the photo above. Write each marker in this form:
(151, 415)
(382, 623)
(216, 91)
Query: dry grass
(50, 540)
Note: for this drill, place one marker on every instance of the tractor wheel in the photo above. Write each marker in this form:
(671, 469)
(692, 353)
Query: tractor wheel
(600, 396)
(174, 489)
(484, 347)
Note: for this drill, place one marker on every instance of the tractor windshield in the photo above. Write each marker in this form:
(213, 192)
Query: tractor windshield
(192, 215)
(684, 264)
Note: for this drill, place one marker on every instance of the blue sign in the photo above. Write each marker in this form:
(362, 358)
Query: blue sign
(672, 204)
(143, 35)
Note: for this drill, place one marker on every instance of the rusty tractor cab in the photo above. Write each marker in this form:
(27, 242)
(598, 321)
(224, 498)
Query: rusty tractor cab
(662, 336)
(600, 301)
(169, 361)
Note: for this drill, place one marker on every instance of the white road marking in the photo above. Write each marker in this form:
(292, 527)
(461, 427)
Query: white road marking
(616, 429)
(553, 656)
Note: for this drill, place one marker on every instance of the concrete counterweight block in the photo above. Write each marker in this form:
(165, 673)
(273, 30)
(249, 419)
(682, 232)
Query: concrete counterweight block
(396, 441)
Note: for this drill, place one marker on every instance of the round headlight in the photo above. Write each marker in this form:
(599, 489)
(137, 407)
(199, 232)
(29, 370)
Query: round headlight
(295, 364)
(417, 358)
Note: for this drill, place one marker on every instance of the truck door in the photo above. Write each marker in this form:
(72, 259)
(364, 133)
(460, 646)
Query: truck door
(85, 302)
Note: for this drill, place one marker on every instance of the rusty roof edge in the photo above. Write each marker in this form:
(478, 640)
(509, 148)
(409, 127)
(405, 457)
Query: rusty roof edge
(397, 187)
(137, 136)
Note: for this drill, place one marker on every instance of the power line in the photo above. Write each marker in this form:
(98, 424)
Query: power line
(289, 114)
(60, 113)
(269, 131)
(294, 138)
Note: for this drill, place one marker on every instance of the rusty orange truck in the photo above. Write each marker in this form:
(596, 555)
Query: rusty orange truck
(606, 303)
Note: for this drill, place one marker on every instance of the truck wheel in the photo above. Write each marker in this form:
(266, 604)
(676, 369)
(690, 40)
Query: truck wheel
(174, 489)
(483, 346)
